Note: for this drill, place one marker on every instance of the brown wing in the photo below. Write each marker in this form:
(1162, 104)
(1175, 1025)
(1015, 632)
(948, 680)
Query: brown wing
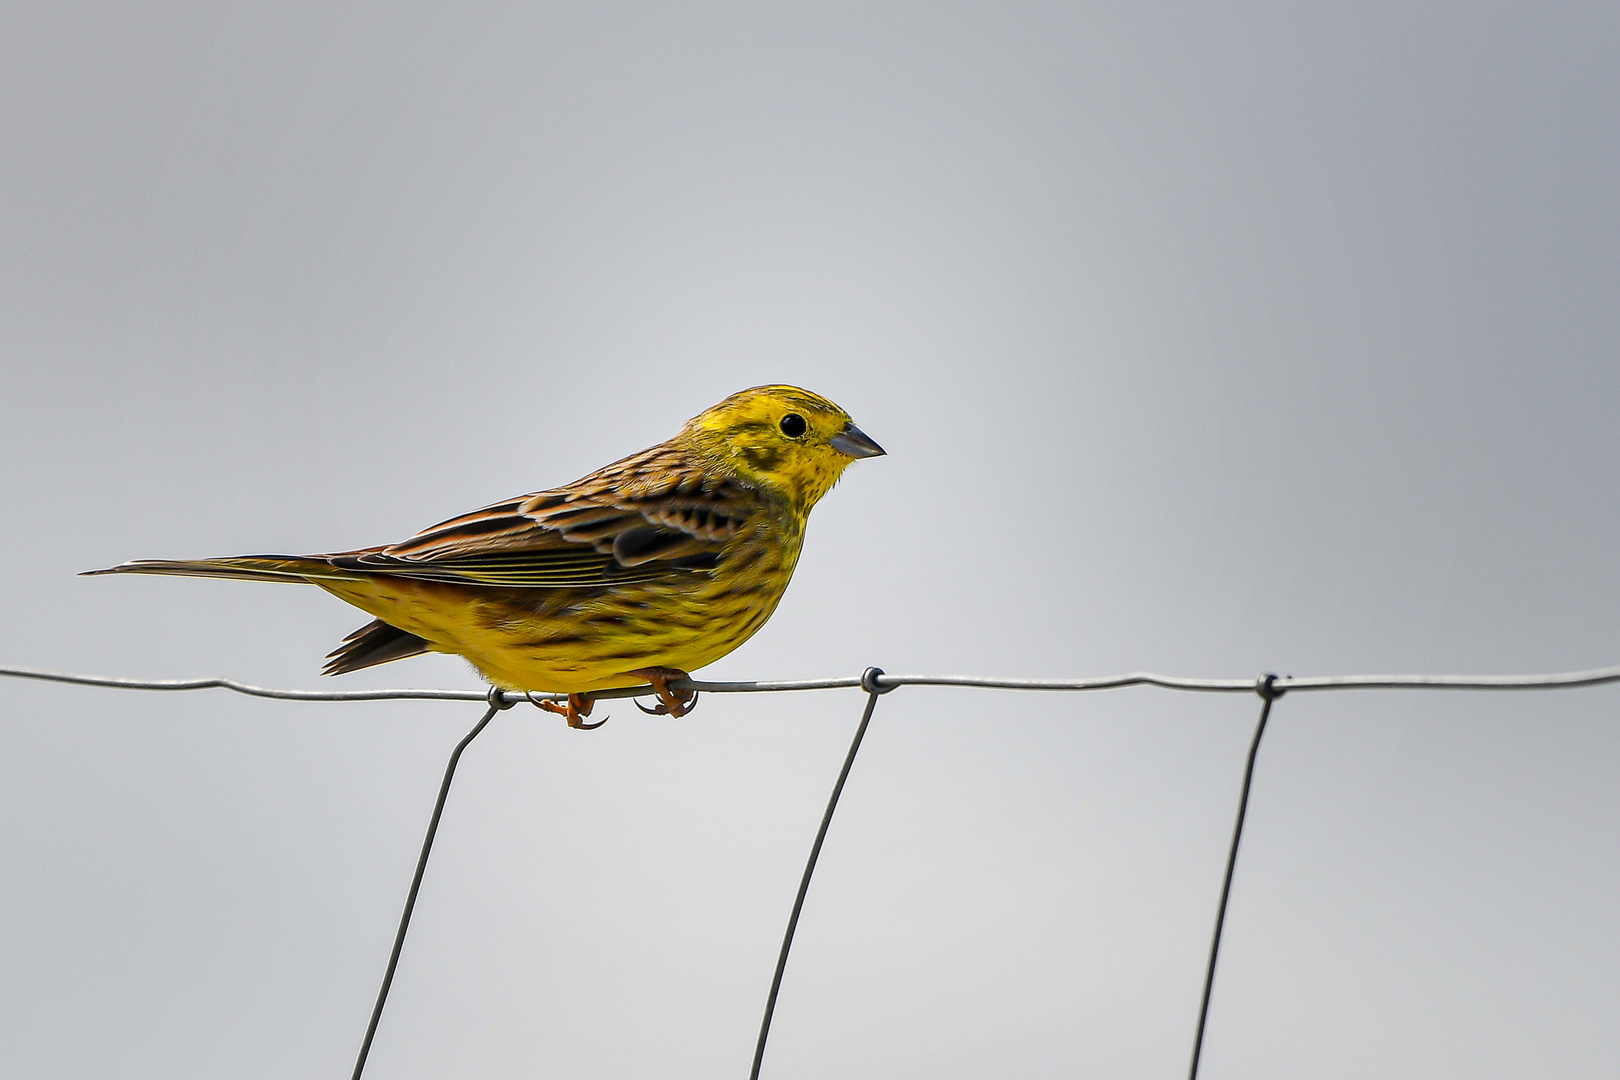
(636, 519)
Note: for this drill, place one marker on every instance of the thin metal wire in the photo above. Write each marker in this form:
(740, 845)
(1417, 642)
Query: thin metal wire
(497, 702)
(1111, 682)
(1549, 681)
(410, 694)
(870, 681)
(1266, 688)
(1552, 681)
(244, 688)
(874, 682)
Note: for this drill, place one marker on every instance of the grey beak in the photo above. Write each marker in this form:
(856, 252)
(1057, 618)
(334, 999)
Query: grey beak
(854, 442)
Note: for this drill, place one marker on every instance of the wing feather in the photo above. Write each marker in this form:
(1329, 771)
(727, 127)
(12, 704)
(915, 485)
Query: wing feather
(651, 515)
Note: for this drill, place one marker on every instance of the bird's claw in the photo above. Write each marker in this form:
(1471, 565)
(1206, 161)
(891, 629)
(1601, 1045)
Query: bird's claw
(671, 702)
(663, 710)
(577, 708)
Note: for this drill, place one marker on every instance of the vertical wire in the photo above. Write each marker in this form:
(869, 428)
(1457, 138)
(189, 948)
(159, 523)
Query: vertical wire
(1266, 688)
(496, 704)
(869, 683)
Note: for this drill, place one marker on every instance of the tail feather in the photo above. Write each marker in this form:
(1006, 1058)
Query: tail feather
(372, 644)
(375, 643)
(294, 568)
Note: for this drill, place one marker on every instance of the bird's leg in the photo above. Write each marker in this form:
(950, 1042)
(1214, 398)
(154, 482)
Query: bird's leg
(578, 706)
(670, 702)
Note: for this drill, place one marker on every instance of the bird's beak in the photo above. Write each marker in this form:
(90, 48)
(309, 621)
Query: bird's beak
(854, 442)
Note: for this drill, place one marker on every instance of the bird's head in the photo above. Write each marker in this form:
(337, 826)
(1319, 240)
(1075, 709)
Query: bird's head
(781, 438)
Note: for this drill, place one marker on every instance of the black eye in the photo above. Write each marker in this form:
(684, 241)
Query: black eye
(793, 425)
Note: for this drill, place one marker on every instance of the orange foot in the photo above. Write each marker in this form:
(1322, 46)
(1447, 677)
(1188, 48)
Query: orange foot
(578, 707)
(670, 702)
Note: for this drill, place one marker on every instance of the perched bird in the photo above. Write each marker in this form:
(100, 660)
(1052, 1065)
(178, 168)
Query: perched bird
(638, 573)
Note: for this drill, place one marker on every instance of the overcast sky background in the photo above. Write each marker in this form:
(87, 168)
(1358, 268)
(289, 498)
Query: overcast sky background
(1206, 339)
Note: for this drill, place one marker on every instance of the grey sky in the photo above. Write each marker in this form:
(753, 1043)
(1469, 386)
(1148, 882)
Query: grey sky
(1205, 339)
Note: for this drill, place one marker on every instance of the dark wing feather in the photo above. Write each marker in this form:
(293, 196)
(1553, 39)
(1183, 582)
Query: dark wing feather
(638, 519)
(372, 644)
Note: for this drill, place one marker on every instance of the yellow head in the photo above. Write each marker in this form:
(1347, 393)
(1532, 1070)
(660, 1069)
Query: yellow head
(783, 439)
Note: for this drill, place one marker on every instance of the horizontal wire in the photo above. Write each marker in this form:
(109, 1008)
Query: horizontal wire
(1136, 678)
(245, 688)
(406, 693)
(1547, 681)
(1551, 681)
(1554, 680)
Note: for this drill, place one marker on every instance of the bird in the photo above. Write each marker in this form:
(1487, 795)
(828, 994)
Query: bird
(637, 573)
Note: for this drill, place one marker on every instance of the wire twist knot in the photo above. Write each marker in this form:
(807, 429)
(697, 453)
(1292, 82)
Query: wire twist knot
(1266, 687)
(871, 684)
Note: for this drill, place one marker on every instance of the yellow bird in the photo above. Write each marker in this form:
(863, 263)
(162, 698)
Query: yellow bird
(640, 572)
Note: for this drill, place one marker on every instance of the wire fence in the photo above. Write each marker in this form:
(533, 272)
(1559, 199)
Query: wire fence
(874, 682)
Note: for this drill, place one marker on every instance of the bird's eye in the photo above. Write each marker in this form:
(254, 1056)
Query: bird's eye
(793, 425)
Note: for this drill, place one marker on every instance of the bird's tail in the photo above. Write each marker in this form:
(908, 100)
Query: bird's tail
(293, 568)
